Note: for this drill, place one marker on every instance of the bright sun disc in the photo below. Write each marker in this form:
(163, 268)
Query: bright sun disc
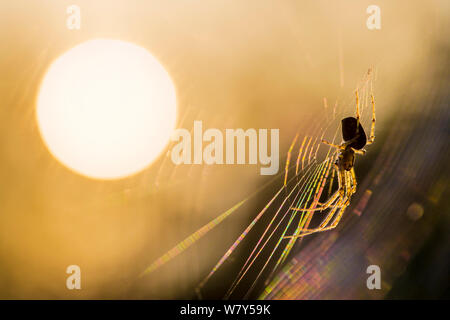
(106, 108)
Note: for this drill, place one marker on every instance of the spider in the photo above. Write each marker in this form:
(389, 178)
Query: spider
(354, 141)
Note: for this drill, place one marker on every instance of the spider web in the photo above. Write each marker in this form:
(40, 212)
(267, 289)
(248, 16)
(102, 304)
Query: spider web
(308, 178)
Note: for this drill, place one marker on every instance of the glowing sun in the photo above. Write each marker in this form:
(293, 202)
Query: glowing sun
(106, 108)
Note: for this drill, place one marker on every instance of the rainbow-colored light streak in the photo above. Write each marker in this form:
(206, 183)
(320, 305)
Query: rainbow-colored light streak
(242, 272)
(310, 186)
(189, 241)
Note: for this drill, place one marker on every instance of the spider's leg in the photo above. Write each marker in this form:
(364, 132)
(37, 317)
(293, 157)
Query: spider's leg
(288, 159)
(332, 144)
(322, 226)
(337, 219)
(299, 155)
(333, 225)
(357, 111)
(361, 152)
(342, 199)
(349, 188)
(349, 184)
(325, 206)
(353, 190)
(372, 128)
(346, 143)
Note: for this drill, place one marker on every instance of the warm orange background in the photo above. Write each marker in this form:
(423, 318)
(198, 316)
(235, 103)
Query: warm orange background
(249, 64)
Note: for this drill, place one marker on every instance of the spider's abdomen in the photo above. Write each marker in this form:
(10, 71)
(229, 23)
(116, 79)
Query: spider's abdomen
(349, 132)
(346, 159)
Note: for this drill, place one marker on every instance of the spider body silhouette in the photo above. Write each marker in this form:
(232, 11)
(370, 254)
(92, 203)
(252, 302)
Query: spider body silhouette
(354, 140)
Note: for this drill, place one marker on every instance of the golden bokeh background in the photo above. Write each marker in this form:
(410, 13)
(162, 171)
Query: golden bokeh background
(235, 64)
